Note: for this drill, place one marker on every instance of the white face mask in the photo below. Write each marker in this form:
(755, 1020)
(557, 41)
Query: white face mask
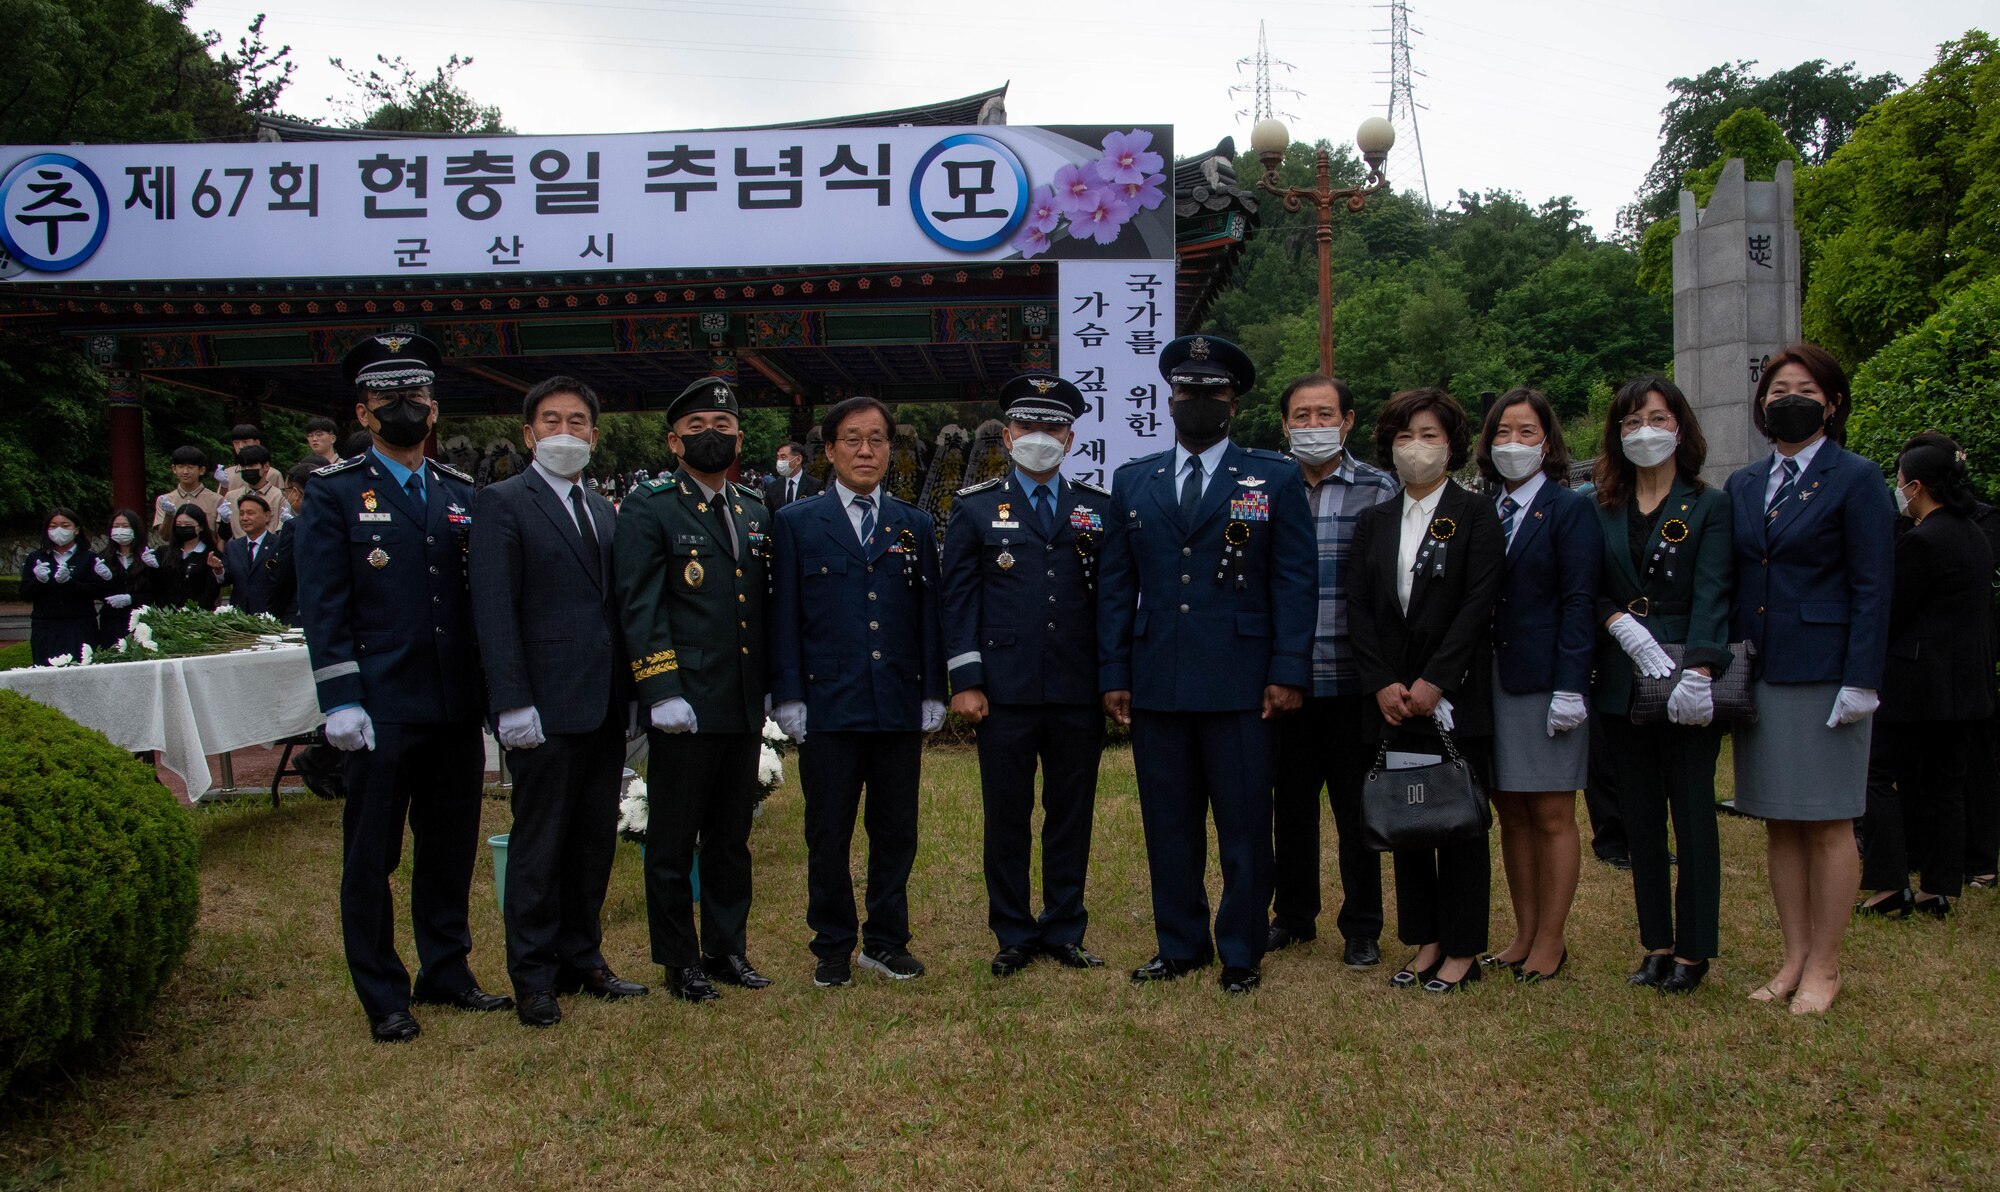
(565, 455)
(61, 536)
(1038, 452)
(1902, 499)
(122, 535)
(1313, 444)
(1420, 463)
(1518, 461)
(1650, 445)
(788, 467)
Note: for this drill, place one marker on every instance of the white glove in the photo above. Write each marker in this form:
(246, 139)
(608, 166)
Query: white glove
(1693, 700)
(520, 728)
(791, 717)
(165, 504)
(41, 572)
(1852, 704)
(933, 715)
(118, 600)
(674, 715)
(1442, 714)
(222, 512)
(1646, 655)
(632, 726)
(149, 558)
(1566, 711)
(349, 729)
(62, 574)
(102, 569)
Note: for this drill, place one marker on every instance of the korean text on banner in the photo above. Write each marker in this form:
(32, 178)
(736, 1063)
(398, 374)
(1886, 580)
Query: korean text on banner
(1115, 318)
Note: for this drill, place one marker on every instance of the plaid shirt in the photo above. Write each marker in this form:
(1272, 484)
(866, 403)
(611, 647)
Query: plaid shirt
(1337, 502)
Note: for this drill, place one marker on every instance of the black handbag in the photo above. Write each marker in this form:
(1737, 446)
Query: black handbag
(1730, 690)
(1422, 807)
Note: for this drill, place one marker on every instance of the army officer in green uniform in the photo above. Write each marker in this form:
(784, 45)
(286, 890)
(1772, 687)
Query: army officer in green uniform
(690, 558)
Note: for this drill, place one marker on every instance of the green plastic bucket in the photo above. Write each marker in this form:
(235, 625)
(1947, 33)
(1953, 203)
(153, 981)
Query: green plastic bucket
(499, 846)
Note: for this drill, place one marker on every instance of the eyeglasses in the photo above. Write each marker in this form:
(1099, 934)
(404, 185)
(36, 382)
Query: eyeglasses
(856, 442)
(1658, 420)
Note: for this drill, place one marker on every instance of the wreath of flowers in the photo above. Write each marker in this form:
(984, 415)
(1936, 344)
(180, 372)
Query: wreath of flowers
(1442, 528)
(1675, 531)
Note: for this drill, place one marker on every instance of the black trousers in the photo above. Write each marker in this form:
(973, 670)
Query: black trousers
(1668, 770)
(1982, 799)
(430, 776)
(52, 637)
(1916, 805)
(701, 789)
(559, 853)
(1325, 744)
(1067, 740)
(833, 769)
(1445, 894)
(1600, 797)
(1192, 765)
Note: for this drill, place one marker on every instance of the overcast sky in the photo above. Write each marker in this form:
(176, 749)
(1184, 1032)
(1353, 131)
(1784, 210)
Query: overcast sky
(1536, 96)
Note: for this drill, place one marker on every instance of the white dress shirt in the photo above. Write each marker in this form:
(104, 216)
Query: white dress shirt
(847, 496)
(1417, 516)
(1523, 497)
(1777, 477)
(560, 487)
(1211, 459)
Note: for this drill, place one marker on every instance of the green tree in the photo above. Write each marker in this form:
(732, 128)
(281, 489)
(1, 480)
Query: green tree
(394, 96)
(1746, 133)
(1943, 375)
(1583, 320)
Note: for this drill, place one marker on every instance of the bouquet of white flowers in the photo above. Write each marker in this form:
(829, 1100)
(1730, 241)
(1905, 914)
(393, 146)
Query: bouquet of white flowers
(633, 808)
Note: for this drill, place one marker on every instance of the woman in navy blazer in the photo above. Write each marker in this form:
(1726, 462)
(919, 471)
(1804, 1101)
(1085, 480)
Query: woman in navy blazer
(1543, 632)
(1815, 561)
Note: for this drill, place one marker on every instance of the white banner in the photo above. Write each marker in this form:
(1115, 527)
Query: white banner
(1115, 318)
(493, 205)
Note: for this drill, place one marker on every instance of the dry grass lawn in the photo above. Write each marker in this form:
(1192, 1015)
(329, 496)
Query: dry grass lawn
(259, 1073)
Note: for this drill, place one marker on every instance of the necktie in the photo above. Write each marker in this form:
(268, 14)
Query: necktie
(719, 506)
(791, 491)
(1508, 508)
(256, 545)
(1785, 489)
(1191, 490)
(584, 528)
(415, 487)
(1045, 509)
(867, 505)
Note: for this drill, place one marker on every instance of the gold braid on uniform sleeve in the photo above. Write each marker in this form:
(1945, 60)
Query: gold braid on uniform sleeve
(653, 664)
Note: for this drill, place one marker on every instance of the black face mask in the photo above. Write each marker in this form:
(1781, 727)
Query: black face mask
(404, 423)
(1201, 421)
(1794, 418)
(186, 533)
(709, 451)
(252, 477)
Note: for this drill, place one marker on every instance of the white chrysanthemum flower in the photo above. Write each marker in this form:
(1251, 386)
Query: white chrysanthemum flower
(143, 634)
(772, 732)
(770, 769)
(83, 655)
(61, 660)
(633, 810)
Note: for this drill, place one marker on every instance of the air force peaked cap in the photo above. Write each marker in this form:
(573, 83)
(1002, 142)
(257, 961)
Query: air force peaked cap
(1042, 397)
(392, 360)
(1207, 360)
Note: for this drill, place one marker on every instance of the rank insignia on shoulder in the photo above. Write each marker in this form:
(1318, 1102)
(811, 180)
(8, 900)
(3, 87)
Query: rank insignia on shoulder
(339, 465)
(452, 472)
(981, 487)
(662, 484)
(1088, 487)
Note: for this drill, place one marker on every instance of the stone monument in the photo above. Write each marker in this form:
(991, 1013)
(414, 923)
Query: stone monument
(1736, 301)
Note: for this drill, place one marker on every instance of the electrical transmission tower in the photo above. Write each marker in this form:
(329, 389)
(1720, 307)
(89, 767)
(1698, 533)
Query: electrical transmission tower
(1403, 105)
(1260, 88)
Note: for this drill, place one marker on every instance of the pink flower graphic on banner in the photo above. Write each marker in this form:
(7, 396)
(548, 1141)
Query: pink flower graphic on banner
(1031, 240)
(1075, 188)
(1145, 194)
(1127, 160)
(1102, 219)
(1043, 214)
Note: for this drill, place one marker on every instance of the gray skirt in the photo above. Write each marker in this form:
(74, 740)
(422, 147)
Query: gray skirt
(1525, 757)
(1790, 766)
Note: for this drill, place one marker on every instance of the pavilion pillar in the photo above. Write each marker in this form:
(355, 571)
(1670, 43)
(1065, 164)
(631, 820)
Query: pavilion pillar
(125, 430)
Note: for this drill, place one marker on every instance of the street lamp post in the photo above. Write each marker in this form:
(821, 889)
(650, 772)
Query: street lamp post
(1374, 139)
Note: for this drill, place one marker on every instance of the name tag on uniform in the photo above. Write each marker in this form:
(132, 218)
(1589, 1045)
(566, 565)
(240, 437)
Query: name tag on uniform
(374, 517)
(1006, 525)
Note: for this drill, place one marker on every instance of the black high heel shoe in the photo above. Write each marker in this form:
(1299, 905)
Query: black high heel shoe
(1937, 906)
(1895, 906)
(1685, 977)
(1655, 968)
(1492, 960)
(1531, 977)
(1409, 978)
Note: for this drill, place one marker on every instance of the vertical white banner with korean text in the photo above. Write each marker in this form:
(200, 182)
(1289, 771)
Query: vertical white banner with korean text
(1115, 318)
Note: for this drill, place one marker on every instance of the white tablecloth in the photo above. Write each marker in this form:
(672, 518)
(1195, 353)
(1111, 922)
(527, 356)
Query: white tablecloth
(185, 708)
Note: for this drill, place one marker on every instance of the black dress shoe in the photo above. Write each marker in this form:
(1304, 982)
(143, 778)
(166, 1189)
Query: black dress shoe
(831, 974)
(690, 984)
(1360, 954)
(1074, 956)
(894, 963)
(394, 1027)
(1685, 977)
(1653, 969)
(1437, 984)
(1528, 976)
(1238, 981)
(1895, 906)
(1280, 937)
(1492, 960)
(1012, 959)
(602, 983)
(472, 998)
(1617, 861)
(1409, 978)
(538, 1008)
(734, 970)
(1937, 906)
(1159, 968)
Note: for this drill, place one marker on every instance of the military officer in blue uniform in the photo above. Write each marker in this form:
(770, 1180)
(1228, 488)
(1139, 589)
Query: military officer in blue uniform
(1020, 630)
(857, 678)
(382, 552)
(1206, 602)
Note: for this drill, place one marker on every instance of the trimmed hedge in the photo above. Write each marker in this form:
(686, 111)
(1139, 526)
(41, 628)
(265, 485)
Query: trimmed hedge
(1944, 375)
(98, 890)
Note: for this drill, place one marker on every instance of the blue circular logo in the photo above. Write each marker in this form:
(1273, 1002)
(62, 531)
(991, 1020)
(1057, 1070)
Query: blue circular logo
(53, 212)
(969, 192)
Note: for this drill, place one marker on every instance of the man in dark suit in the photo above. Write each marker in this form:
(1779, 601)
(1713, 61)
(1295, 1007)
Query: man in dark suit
(855, 646)
(248, 559)
(791, 480)
(388, 621)
(1204, 624)
(549, 638)
(1020, 626)
(691, 584)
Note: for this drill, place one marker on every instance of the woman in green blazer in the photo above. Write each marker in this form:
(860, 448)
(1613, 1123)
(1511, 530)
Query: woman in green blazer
(1667, 579)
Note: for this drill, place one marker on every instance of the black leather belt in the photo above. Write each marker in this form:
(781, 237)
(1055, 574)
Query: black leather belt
(1646, 606)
